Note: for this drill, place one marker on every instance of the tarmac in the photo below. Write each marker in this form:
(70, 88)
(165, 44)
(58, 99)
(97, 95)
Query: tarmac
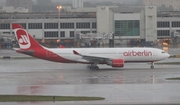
(133, 84)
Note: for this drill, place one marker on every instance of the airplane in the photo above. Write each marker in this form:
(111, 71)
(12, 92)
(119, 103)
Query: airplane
(115, 57)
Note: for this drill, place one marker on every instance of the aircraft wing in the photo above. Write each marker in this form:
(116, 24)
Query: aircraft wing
(93, 58)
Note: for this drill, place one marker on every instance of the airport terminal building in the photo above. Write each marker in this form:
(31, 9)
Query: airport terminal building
(142, 23)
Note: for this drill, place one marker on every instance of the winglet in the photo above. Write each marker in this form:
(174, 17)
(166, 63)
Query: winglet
(75, 52)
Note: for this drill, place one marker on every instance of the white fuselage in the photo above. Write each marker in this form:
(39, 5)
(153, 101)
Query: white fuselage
(127, 54)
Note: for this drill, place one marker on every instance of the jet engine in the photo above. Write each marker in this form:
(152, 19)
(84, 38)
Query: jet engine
(116, 63)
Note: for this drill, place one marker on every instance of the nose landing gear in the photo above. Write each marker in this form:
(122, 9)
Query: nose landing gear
(152, 65)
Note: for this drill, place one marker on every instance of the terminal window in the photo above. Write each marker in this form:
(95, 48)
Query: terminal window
(163, 24)
(176, 24)
(82, 25)
(4, 25)
(94, 31)
(94, 25)
(62, 33)
(35, 25)
(50, 34)
(71, 33)
(127, 28)
(67, 25)
(163, 33)
(50, 25)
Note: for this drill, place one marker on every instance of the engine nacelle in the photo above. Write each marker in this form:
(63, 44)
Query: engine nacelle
(117, 63)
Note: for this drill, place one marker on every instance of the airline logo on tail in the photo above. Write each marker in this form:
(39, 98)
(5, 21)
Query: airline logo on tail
(23, 38)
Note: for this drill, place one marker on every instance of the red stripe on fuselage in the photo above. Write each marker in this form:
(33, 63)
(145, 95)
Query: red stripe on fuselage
(50, 56)
(46, 54)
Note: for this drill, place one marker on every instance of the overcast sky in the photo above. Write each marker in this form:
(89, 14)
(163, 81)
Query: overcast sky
(84, 0)
(70, 1)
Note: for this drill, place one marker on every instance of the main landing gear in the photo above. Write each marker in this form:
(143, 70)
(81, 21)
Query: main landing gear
(152, 65)
(93, 67)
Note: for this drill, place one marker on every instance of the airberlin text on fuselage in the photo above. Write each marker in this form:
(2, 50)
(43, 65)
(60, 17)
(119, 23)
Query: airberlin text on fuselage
(139, 53)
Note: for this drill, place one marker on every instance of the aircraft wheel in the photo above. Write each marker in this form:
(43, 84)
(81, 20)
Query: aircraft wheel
(91, 67)
(152, 67)
(96, 67)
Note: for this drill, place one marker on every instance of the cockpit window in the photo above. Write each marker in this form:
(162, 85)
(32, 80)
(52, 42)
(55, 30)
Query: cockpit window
(163, 52)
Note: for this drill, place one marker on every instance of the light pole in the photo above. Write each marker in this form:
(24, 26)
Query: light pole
(59, 10)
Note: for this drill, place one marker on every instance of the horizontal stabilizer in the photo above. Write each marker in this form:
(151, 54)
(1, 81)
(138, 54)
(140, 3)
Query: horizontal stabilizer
(28, 52)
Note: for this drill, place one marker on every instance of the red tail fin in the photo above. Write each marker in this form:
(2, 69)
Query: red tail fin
(28, 45)
(25, 40)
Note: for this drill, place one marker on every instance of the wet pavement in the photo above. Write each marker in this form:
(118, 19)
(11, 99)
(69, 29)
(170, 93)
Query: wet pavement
(34, 72)
(135, 83)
